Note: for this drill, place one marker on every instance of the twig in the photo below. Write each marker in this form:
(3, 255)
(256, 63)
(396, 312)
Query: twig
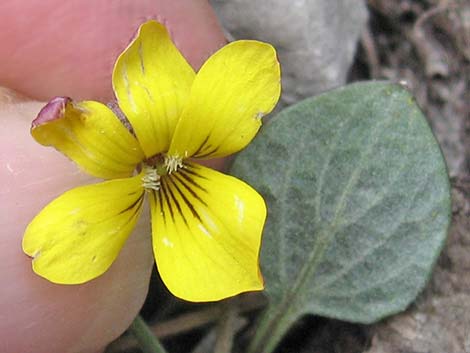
(426, 15)
(206, 344)
(435, 60)
(368, 44)
(189, 321)
(226, 328)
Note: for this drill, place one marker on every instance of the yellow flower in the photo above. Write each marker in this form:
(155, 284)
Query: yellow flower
(206, 226)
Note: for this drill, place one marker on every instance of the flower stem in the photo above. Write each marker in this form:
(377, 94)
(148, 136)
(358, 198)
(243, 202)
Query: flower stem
(147, 340)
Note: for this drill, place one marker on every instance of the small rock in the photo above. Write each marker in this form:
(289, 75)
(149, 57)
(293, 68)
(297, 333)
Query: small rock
(316, 39)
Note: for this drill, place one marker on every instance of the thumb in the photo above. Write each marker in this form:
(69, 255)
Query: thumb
(39, 316)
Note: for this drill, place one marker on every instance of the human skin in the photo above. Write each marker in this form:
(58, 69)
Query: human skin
(68, 48)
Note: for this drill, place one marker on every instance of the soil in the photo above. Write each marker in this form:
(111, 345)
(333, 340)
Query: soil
(425, 44)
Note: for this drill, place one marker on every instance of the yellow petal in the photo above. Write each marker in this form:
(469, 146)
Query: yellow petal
(152, 80)
(78, 235)
(206, 234)
(90, 134)
(234, 88)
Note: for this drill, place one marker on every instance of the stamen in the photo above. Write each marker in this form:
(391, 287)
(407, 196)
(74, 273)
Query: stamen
(173, 163)
(151, 179)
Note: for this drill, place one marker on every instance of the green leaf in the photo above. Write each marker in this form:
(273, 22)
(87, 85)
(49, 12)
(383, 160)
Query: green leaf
(358, 206)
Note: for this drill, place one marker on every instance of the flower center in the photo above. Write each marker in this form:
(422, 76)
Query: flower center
(158, 166)
(151, 178)
(173, 163)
